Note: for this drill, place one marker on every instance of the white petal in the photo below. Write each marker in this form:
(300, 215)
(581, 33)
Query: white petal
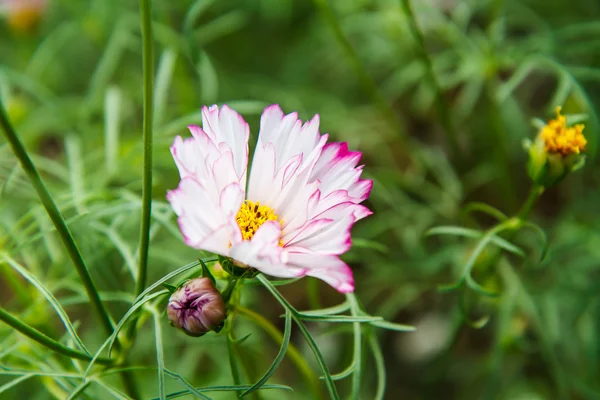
(227, 126)
(327, 268)
(204, 219)
(336, 170)
(285, 153)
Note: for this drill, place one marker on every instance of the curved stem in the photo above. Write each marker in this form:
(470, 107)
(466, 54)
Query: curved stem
(57, 219)
(44, 340)
(534, 194)
(145, 8)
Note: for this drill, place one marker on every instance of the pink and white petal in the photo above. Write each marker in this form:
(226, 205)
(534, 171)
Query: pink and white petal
(227, 126)
(203, 217)
(223, 172)
(264, 253)
(329, 269)
(336, 169)
(191, 155)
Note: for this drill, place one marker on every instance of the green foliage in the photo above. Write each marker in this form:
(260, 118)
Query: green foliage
(438, 95)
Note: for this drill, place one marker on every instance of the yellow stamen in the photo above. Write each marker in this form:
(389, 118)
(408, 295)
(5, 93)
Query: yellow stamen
(252, 215)
(558, 138)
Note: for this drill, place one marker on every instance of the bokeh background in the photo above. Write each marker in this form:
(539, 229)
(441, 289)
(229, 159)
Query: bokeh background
(71, 79)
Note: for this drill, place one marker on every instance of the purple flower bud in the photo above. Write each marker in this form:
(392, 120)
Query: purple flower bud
(197, 307)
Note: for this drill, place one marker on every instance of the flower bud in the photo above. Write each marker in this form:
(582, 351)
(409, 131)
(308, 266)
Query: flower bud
(556, 151)
(23, 15)
(197, 307)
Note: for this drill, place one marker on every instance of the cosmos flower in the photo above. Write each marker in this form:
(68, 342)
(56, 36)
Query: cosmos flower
(197, 307)
(293, 216)
(557, 151)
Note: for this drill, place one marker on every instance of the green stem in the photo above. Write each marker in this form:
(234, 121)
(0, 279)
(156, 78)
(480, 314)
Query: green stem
(44, 340)
(364, 78)
(443, 107)
(292, 351)
(534, 194)
(356, 377)
(57, 219)
(148, 61)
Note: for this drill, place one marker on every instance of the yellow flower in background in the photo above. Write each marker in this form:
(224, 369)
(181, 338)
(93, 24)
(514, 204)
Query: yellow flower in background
(23, 15)
(557, 151)
(558, 138)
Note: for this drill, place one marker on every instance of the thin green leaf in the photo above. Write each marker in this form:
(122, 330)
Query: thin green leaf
(287, 332)
(111, 339)
(12, 372)
(112, 118)
(307, 336)
(392, 326)
(476, 287)
(340, 308)
(236, 388)
(379, 366)
(357, 357)
(240, 340)
(486, 209)
(62, 314)
(542, 235)
(160, 356)
(206, 272)
(449, 287)
(475, 234)
(116, 393)
(189, 386)
(165, 278)
(369, 244)
(233, 367)
(14, 382)
(79, 389)
(338, 318)
(344, 374)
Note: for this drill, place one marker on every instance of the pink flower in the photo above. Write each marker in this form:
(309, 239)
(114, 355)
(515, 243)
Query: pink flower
(301, 201)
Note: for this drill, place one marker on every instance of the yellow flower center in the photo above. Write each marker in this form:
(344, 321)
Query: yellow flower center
(558, 138)
(252, 215)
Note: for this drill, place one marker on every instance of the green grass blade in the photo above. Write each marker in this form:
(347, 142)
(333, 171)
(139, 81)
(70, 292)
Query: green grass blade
(340, 308)
(79, 389)
(112, 118)
(192, 390)
(345, 373)
(165, 278)
(62, 314)
(111, 339)
(357, 356)
(39, 337)
(160, 356)
(57, 219)
(475, 234)
(114, 392)
(231, 388)
(392, 326)
(379, 366)
(287, 333)
(338, 318)
(148, 120)
(14, 382)
(307, 336)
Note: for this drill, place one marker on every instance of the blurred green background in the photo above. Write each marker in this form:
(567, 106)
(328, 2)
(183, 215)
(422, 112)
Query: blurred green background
(440, 122)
